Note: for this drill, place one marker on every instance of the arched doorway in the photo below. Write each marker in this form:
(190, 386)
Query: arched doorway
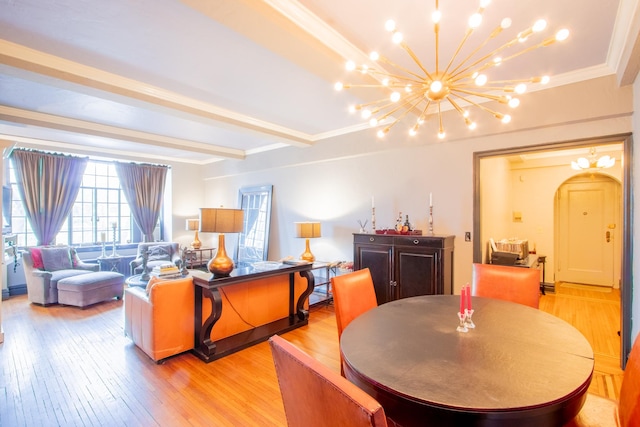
(587, 230)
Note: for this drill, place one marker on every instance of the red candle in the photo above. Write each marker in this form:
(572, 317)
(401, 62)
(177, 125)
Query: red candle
(462, 297)
(468, 297)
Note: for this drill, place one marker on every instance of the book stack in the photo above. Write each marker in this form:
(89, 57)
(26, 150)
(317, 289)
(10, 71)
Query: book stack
(166, 271)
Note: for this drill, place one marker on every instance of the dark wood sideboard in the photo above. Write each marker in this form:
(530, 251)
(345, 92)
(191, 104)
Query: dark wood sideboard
(405, 265)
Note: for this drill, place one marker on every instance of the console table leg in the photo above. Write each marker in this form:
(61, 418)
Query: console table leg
(205, 349)
(300, 310)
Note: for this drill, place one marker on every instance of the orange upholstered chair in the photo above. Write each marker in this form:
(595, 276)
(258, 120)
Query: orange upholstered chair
(353, 294)
(159, 319)
(315, 396)
(602, 412)
(516, 284)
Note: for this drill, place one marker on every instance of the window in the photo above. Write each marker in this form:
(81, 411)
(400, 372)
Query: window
(100, 204)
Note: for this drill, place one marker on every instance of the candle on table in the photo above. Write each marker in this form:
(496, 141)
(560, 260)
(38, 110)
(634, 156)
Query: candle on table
(468, 297)
(372, 202)
(430, 200)
(114, 224)
(462, 298)
(103, 236)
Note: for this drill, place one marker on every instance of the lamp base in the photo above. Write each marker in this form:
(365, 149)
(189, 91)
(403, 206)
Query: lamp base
(196, 244)
(220, 265)
(307, 255)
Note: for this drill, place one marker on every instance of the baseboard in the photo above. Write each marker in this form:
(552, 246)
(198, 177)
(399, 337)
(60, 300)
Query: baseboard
(20, 289)
(549, 287)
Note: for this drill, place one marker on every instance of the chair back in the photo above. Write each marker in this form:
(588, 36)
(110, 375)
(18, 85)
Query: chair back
(353, 294)
(315, 396)
(516, 284)
(629, 406)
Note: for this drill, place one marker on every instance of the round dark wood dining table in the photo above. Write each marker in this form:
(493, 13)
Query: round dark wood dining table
(518, 367)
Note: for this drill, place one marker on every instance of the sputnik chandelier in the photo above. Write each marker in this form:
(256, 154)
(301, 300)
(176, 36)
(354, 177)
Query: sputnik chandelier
(592, 162)
(461, 83)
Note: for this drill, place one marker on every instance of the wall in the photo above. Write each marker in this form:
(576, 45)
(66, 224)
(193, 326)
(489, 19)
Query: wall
(635, 307)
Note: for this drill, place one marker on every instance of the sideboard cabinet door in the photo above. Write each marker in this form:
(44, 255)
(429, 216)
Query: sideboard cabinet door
(404, 266)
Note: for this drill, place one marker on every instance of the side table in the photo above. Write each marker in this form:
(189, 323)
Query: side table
(136, 280)
(111, 263)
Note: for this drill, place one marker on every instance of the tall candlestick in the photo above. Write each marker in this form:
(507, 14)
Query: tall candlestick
(431, 221)
(373, 220)
(430, 199)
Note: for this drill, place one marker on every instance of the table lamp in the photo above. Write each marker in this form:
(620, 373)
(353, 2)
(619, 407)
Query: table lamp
(219, 220)
(193, 225)
(307, 230)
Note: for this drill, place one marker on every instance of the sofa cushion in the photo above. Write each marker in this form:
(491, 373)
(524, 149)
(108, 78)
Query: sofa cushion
(63, 274)
(159, 252)
(36, 258)
(55, 259)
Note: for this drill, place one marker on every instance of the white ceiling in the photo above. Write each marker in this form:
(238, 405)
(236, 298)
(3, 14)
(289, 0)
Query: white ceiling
(199, 81)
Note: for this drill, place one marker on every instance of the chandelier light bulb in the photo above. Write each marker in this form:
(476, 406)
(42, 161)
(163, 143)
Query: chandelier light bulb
(435, 86)
(484, 3)
(562, 35)
(505, 23)
(352, 109)
(481, 80)
(436, 16)
(521, 88)
(350, 66)
(395, 96)
(364, 69)
(514, 102)
(397, 37)
(339, 86)
(385, 81)
(475, 20)
(497, 60)
(366, 113)
(374, 56)
(390, 25)
(373, 122)
(413, 131)
(544, 80)
(382, 132)
(540, 25)
(407, 88)
(506, 119)
(441, 134)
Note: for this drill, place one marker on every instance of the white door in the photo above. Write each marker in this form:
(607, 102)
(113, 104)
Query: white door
(587, 231)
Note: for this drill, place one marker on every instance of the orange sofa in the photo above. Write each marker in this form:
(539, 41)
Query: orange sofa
(160, 318)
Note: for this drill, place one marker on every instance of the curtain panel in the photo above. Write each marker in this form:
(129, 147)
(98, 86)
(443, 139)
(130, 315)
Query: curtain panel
(48, 184)
(143, 187)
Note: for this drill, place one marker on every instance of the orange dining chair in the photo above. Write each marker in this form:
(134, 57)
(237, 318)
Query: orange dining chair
(599, 411)
(516, 284)
(353, 294)
(315, 396)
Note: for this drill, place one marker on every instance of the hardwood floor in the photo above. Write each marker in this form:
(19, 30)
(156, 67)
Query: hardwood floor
(62, 366)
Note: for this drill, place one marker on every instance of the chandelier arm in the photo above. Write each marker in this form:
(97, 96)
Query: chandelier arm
(441, 128)
(480, 106)
(407, 100)
(467, 34)
(436, 31)
(415, 59)
(543, 43)
(399, 67)
(388, 128)
(476, 50)
(480, 94)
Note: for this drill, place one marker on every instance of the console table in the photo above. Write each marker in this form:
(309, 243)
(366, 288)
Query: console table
(206, 287)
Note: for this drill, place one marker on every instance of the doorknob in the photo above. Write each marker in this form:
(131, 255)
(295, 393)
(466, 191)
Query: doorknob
(608, 236)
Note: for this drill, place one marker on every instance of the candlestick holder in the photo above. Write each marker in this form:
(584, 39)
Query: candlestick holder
(431, 221)
(462, 327)
(113, 252)
(373, 220)
(468, 322)
(104, 252)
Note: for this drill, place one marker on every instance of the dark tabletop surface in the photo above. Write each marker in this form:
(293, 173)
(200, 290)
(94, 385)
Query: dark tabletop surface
(516, 357)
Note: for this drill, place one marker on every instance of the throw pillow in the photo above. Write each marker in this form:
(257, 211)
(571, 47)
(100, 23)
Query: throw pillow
(158, 253)
(36, 257)
(57, 258)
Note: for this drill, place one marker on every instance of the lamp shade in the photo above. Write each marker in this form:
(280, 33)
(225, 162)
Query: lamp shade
(308, 230)
(219, 220)
(192, 224)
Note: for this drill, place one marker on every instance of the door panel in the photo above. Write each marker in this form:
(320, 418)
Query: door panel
(416, 273)
(587, 233)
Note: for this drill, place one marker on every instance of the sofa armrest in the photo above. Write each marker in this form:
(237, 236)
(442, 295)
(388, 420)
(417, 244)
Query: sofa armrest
(81, 265)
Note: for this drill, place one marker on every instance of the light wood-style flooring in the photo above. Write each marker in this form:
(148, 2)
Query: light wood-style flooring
(62, 366)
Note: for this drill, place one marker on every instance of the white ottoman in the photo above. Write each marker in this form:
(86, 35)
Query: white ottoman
(90, 288)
